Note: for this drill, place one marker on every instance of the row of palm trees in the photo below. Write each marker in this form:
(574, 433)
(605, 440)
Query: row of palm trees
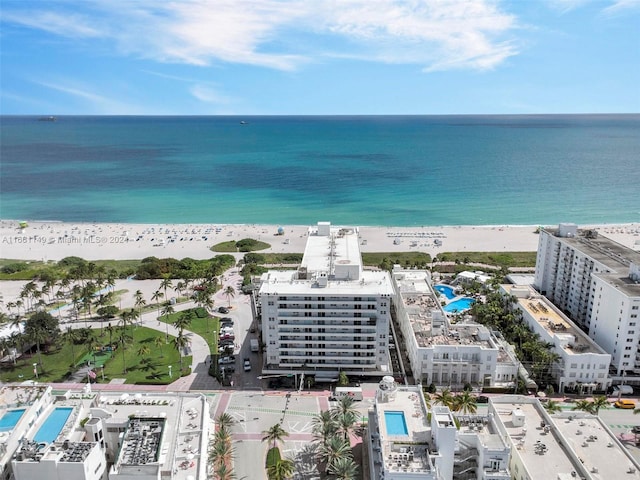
(464, 402)
(497, 312)
(332, 431)
(221, 448)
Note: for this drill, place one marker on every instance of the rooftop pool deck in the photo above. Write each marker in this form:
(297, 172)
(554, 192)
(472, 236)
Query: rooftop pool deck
(10, 419)
(53, 425)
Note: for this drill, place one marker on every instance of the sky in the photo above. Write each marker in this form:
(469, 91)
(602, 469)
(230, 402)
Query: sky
(319, 57)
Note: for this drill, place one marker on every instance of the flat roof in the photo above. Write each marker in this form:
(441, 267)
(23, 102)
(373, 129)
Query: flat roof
(184, 418)
(615, 256)
(286, 282)
(323, 252)
(592, 442)
(573, 442)
(525, 439)
(405, 452)
(420, 302)
(555, 323)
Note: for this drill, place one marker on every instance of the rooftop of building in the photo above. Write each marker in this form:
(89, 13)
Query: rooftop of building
(541, 452)
(286, 282)
(615, 256)
(555, 446)
(406, 451)
(328, 246)
(571, 338)
(162, 428)
(420, 302)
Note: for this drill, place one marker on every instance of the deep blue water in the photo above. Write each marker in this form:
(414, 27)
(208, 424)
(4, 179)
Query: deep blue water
(372, 170)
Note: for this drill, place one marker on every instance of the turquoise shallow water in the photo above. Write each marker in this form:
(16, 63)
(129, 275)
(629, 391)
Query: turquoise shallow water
(425, 170)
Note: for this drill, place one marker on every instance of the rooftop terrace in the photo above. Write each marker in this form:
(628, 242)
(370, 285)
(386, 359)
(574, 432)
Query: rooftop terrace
(424, 313)
(570, 338)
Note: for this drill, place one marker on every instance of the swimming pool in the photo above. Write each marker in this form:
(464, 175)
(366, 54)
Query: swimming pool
(459, 305)
(10, 419)
(396, 423)
(445, 290)
(52, 426)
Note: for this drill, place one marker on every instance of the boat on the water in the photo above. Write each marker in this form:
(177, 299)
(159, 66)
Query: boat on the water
(50, 118)
(242, 122)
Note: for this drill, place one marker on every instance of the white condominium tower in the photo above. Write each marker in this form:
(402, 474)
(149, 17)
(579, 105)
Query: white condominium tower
(329, 315)
(596, 282)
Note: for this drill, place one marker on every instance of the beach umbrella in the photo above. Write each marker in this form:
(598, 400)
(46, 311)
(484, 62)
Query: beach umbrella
(280, 231)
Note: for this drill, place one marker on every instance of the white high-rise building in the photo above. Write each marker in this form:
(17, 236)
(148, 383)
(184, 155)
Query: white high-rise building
(596, 282)
(329, 315)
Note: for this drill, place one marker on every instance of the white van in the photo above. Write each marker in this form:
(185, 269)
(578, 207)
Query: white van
(623, 389)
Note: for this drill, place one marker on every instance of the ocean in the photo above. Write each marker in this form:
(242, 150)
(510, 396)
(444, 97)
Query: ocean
(360, 170)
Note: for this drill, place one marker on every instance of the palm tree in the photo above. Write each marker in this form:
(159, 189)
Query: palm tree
(230, 292)
(584, 405)
(224, 420)
(323, 426)
(158, 342)
(167, 309)
(552, 407)
(139, 301)
(179, 343)
(444, 398)
(124, 339)
(184, 320)
(157, 295)
(275, 434)
(143, 351)
(335, 448)
(465, 402)
(281, 470)
(599, 402)
(71, 336)
(165, 284)
(344, 468)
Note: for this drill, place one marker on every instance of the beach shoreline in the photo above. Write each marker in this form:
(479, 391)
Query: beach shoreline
(54, 240)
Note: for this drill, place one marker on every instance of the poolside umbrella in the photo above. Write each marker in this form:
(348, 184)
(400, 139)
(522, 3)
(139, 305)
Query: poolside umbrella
(190, 456)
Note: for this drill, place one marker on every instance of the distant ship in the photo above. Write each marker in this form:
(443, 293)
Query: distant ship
(242, 122)
(50, 118)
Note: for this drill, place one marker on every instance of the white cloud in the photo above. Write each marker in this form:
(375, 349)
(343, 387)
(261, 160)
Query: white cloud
(285, 34)
(67, 24)
(97, 104)
(621, 6)
(208, 94)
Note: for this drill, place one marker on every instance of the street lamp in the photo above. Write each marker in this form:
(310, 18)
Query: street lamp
(170, 375)
(35, 370)
(102, 367)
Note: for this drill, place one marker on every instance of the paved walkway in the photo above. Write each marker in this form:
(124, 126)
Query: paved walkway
(199, 379)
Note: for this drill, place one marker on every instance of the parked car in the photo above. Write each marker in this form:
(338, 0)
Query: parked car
(226, 349)
(228, 368)
(223, 310)
(624, 404)
(226, 337)
(226, 360)
(226, 320)
(247, 364)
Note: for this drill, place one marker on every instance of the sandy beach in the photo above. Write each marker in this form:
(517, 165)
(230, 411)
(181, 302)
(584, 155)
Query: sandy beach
(50, 240)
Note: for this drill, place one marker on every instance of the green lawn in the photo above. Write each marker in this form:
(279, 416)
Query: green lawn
(151, 368)
(202, 325)
(57, 365)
